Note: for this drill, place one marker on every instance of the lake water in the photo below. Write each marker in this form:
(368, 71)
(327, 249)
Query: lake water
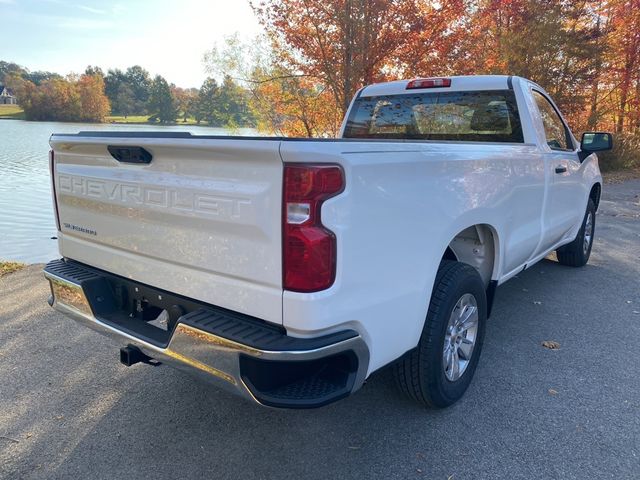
(27, 224)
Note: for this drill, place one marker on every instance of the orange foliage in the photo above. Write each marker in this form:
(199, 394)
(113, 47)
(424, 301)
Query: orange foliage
(295, 106)
(94, 103)
(624, 43)
(66, 100)
(343, 44)
(586, 53)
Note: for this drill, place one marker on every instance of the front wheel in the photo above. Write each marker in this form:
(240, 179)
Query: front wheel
(576, 253)
(439, 370)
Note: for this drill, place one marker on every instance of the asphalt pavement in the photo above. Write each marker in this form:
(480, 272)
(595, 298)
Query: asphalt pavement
(68, 409)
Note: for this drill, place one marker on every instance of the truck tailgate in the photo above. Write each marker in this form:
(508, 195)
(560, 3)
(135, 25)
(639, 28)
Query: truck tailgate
(202, 219)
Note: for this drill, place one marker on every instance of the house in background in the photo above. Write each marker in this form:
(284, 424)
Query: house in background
(7, 97)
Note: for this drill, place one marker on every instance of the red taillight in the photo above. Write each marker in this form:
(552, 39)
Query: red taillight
(309, 248)
(429, 83)
(52, 171)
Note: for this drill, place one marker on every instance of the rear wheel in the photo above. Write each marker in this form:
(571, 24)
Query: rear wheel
(577, 253)
(439, 370)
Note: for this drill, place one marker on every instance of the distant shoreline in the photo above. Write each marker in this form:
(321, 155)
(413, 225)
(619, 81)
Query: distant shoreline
(14, 112)
(115, 122)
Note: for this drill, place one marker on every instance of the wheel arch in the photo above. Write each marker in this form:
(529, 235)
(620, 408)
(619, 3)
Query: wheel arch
(477, 245)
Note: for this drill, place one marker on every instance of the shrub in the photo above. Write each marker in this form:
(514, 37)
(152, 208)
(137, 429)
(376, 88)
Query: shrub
(625, 153)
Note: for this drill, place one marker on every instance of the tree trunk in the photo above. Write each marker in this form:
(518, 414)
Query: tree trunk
(348, 56)
(595, 83)
(637, 104)
(624, 95)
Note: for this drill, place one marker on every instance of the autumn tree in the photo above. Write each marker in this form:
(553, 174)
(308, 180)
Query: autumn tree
(601, 26)
(185, 101)
(323, 52)
(279, 100)
(94, 104)
(25, 90)
(55, 99)
(552, 42)
(10, 68)
(341, 44)
(625, 63)
(71, 99)
(295, 106)
(439, 45)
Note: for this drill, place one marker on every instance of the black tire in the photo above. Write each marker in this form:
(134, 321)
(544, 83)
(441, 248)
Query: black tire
(421, 373)
(576, 253)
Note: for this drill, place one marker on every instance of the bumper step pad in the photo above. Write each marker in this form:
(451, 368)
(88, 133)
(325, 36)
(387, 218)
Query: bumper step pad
(259, 359)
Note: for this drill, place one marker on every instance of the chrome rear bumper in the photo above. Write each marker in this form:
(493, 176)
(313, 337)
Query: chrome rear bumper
(281, 371)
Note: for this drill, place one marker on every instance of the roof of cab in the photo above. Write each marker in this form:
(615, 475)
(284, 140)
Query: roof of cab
(458, 84)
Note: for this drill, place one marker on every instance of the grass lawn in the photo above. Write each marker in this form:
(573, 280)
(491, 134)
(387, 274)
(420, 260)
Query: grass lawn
(145, 119)
(129, 119)
(9, 267)
(11, 111)
(15, 112)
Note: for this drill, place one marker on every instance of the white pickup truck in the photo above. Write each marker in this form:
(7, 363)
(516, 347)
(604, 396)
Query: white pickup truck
(288, 270)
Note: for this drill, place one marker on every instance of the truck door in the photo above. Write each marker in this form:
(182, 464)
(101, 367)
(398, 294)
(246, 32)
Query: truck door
(562, 210)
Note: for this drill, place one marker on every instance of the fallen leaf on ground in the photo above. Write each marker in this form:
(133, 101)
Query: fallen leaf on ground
(551, 345)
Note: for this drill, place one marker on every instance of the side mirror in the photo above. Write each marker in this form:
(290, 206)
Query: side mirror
(594, 142)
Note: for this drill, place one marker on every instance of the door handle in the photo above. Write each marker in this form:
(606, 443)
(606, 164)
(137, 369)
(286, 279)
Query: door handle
(128, 154)
(561, 169)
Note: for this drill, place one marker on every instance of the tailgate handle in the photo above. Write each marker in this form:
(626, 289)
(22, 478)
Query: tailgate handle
(127, 154)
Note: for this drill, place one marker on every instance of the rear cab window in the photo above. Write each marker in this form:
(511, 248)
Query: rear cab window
(474, 116)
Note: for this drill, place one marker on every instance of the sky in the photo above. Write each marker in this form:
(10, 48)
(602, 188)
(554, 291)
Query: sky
(165, 37)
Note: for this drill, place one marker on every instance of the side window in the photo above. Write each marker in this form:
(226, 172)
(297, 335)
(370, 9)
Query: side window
(554, 129)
